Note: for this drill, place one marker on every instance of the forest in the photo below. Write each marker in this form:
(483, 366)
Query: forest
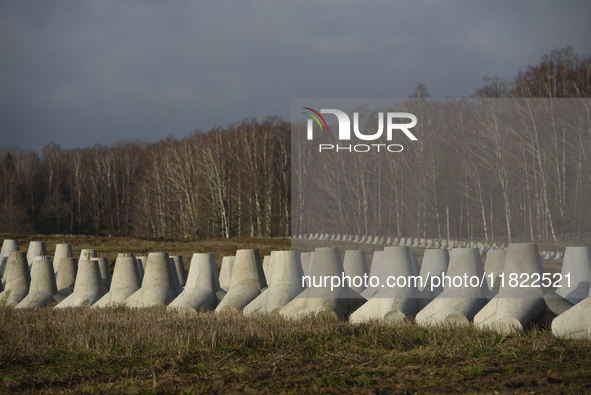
(227, 182)
(236, 181)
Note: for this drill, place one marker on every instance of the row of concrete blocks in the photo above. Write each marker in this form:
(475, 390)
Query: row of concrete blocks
(88, 278)
(503, 308)
(389, 241)
(244, 278)
(483, 248)
(38, 251)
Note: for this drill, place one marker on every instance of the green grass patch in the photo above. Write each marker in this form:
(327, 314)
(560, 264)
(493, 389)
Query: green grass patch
(475, 371)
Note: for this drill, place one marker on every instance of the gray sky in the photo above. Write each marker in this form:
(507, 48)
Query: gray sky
(85, 72)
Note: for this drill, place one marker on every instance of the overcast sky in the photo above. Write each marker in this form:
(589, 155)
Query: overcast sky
(85, 72)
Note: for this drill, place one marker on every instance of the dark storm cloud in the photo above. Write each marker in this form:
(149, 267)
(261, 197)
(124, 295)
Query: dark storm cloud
(86, 72)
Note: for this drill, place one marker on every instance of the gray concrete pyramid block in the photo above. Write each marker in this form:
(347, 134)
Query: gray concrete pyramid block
(105, 271)
(415, 263)
(575, 274)
(16, 279)
(226, 272)
(125, 282)
(375, 271)
(202, 287)
(160, 284)
(8, 246)
(248, 279)
(524, 301)
(435, 263)
(88, 288)
(62, 250)
(180, 269)
(460, 301)
(285, 284)
(43, 288)
(321, 301)
(36, 248)
(142, 262)
(355, 266)
(495, 261)
(574, 323)
(66, 275)
(307, 258)
(271, 267)
(266, 260)
(392, 304)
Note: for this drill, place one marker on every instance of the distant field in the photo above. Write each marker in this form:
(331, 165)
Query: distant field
(153, 351)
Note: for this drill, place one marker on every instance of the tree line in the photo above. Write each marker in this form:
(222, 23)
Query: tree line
(232, 181)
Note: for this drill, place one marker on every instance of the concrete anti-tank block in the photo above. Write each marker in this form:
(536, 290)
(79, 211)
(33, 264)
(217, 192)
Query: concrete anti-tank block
(285, 284)
(66, 275)
(16, 279)
(320, 301)
(88, 288)
(575, 274)
(522, 299)
(43, 289)
(355, 266)
(248, 279)
(179, 266)
(105, 271)
(392, 304)
(374, 271)
(202, 286)
(125, 282)
(226, 272)
(495, 261)
(36, 249)
(8, 246)
(62, 250)
(435, 263)
(160, 284)
(459, 302)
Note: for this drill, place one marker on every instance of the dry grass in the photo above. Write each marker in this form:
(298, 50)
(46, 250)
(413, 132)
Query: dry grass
(150, 350)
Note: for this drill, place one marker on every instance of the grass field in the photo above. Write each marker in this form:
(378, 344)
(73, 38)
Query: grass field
(153, 351)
